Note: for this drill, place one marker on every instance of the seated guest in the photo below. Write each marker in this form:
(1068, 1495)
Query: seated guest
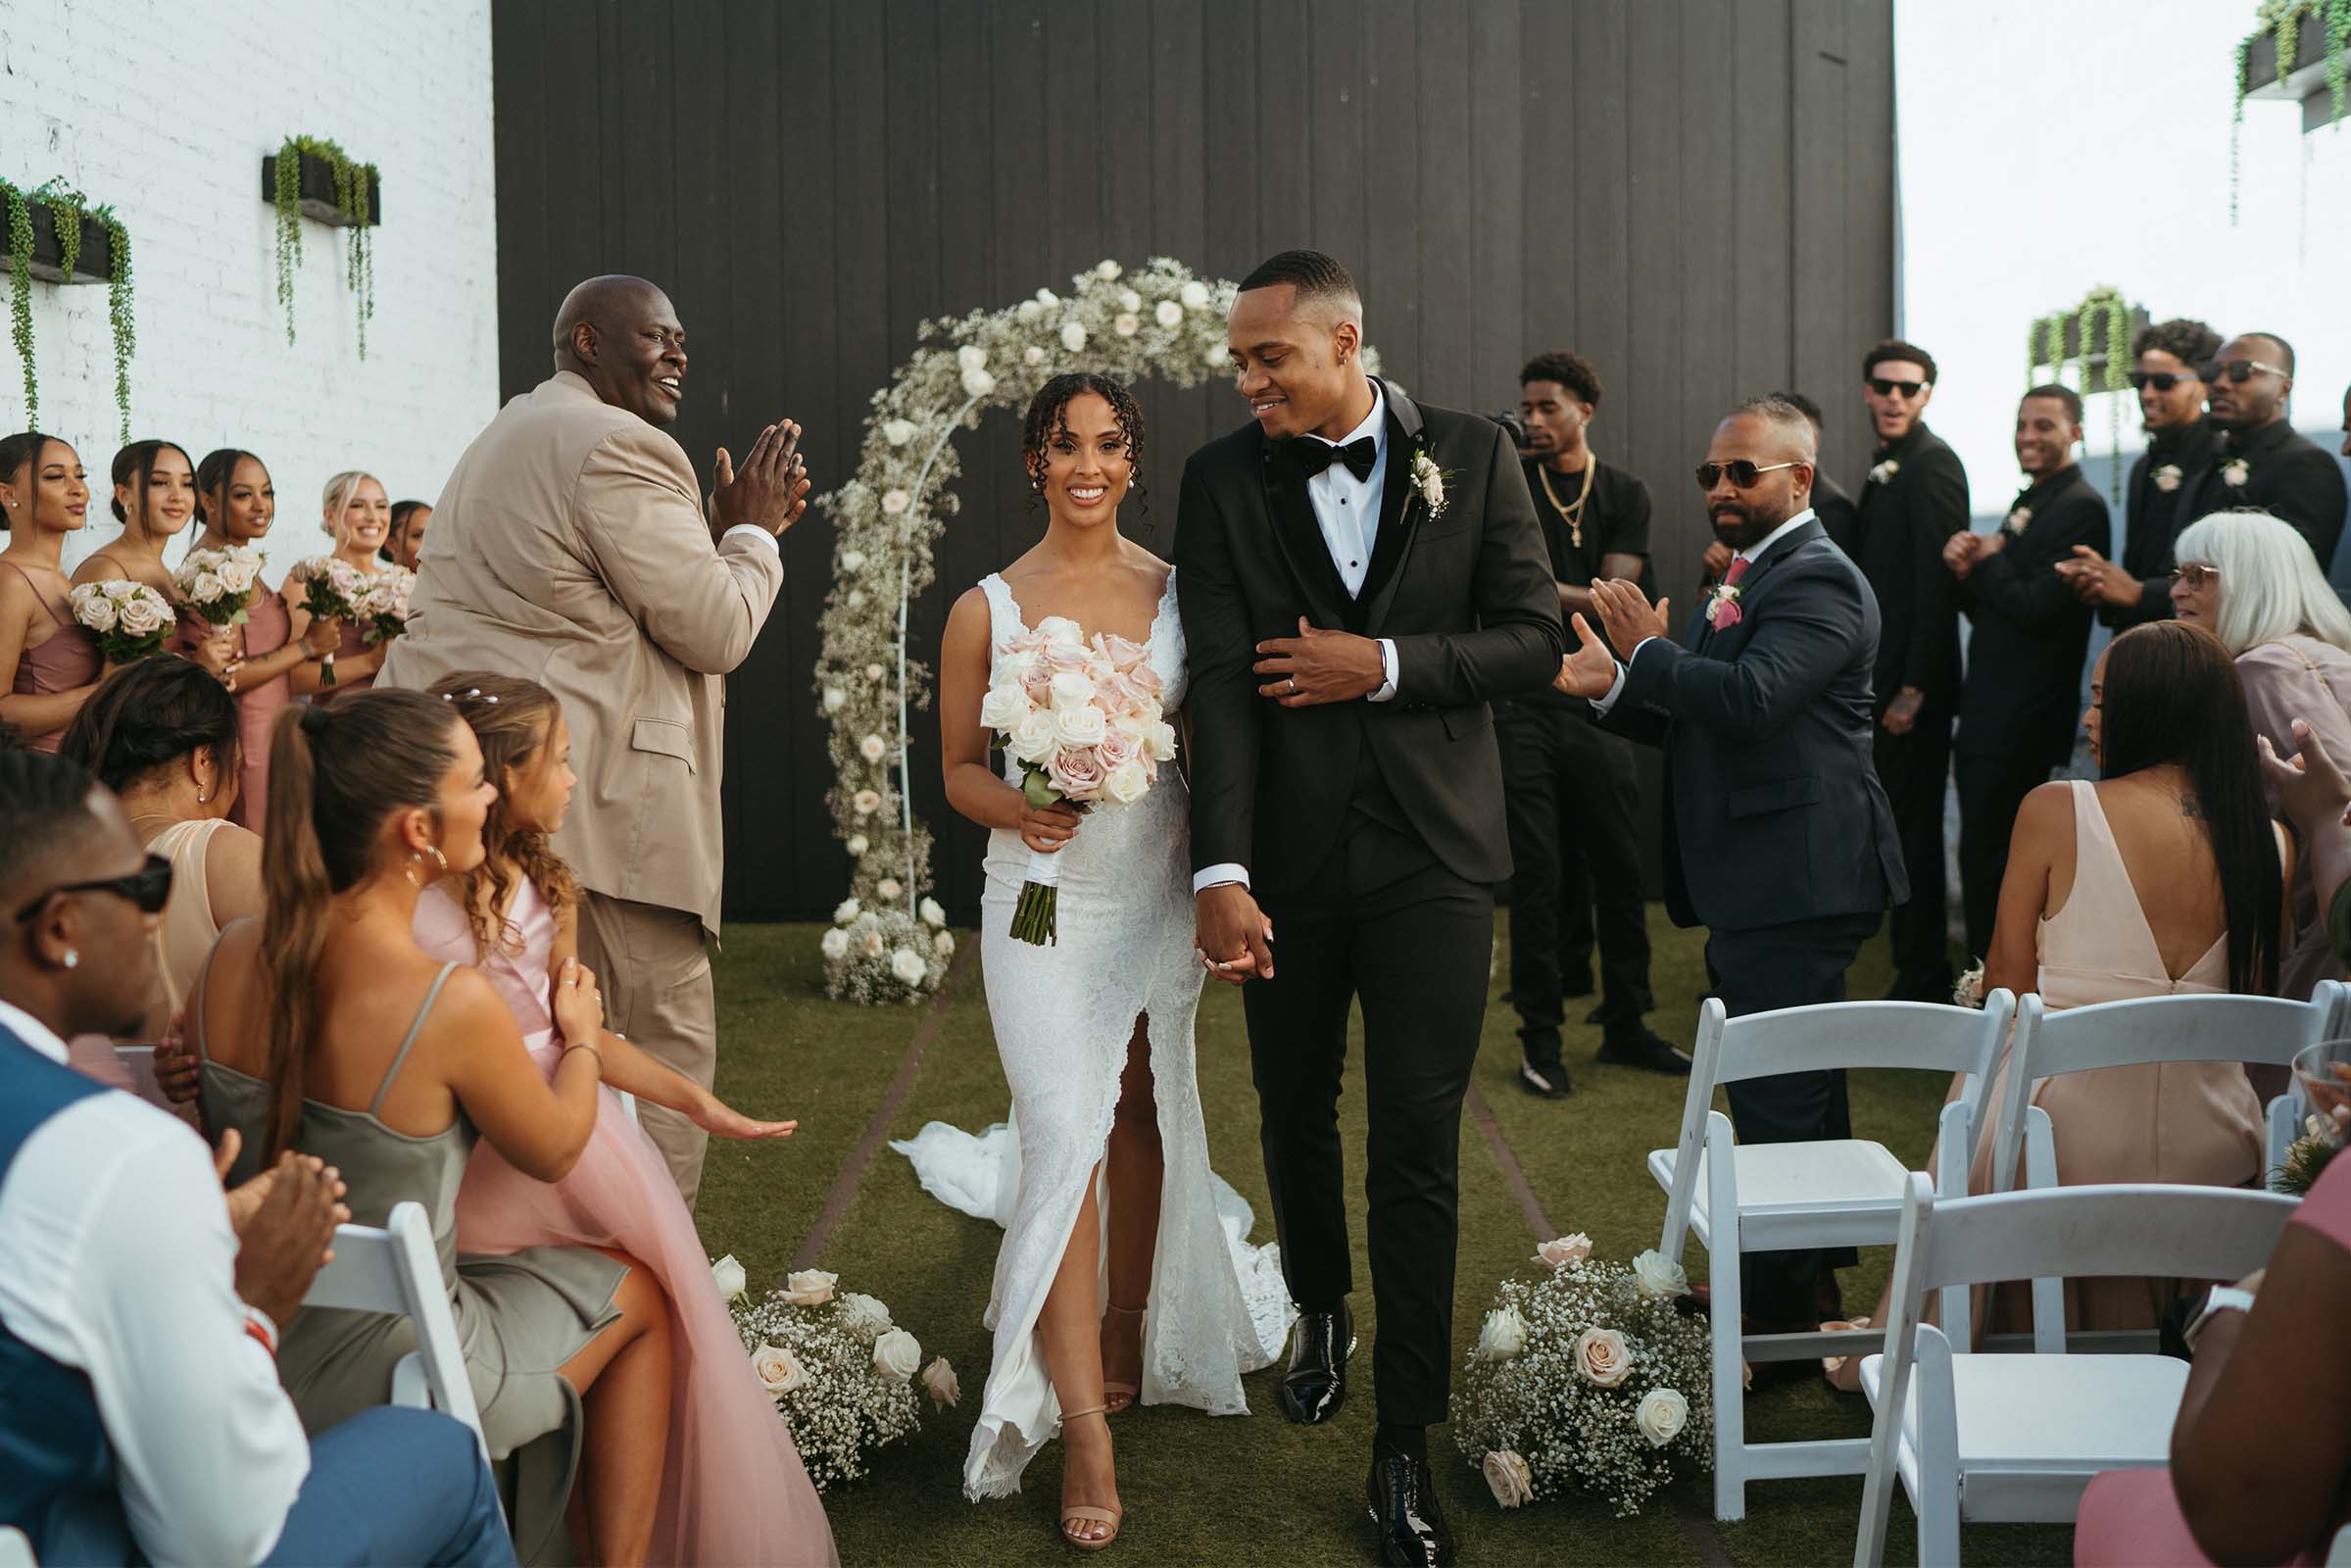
(324, 1027)
(2018, 699)
(736, 1490)
(2248, 579)
(2262, 461)
(141, 1418)
(358, 518)
(2314, 797)
(51, 660)
(155, 496)
(406, 542)
(2164, 482)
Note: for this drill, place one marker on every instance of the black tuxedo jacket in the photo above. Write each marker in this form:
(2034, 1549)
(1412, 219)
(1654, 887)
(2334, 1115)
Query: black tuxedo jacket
(2024, 658)
(1466, 594)
(1900, 533)
(2156, 515)
(1776, 812)
(2287, 475)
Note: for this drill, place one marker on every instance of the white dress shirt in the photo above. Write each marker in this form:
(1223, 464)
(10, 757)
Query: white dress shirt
(1347, 511)
(754, 530)
(120, 1261)
(1750, 554)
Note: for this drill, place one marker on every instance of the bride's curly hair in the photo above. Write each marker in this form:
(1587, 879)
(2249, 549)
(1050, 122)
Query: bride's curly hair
(1046, 417)
(514, 719)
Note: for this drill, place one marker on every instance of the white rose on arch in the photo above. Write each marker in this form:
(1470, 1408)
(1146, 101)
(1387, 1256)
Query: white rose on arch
(970, 356)
(834, 944)
(888, 890)
(1074, 335)
(908, 966)
(1169, 314)
(897, 433)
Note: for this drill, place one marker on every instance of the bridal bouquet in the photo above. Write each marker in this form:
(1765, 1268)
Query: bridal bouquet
(128, 619)
(1082, 719)
(381, 606)
(218, 584)
(842, 1374)
(1587, 1379)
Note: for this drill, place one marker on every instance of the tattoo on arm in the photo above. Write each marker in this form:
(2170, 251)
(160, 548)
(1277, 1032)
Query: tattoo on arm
(2189, 809)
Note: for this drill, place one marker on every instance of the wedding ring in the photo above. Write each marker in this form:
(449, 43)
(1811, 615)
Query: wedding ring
(1293, 683)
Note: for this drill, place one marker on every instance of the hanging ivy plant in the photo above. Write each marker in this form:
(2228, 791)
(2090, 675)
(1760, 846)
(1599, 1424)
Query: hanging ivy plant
(354, 186)
(20, 294)
(69, 209)
(2285, 19)
(2104, 317)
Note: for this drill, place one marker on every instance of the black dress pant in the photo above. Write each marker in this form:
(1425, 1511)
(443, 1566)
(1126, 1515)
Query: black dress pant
(1572, 797)
(1385, 921)
(1913, 768)
(1762, 970)
(1991, 788)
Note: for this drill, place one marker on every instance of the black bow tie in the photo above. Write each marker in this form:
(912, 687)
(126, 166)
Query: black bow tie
(1312, 455)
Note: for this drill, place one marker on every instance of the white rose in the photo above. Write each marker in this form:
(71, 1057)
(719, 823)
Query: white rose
(866, 802)
(846, 910)
(932, 915)
(863, 1315)
(1059, 631)
(939, 1381)
(852, 560)
(1074, 335)
(1216, 355)
(895, 502)
(874, 945)
(1658, 1277)
(1107, 269)
(834, 697)
(1126, 324)
(727, 1275)
(970, 356)
(2235, 472)
(1048, 297)
(1194, 294)
(1662, 1415)
(146, 612)
(834, 944)
(978, 384)
(94, 609)
(1028, 310)
(1566, 1250)
(1032, 354)
(2167, 478)
(811, 1287)
(944, 944)
(1169, 314)
(1509, 1479)
(1126, 783)
(873, 747)
(855, 598)
(1004, 706)
(1503, 1336)
(874, 672)
(1159, 742)
(207, 587)
(1070, 689)
(779, 1371)
(239, 577)
(887, 890)
(857, 845)
(1603, 1357)
(897, 433)
(1129, 300)
(1080, 726)
(908, 966)
(897, 1355)
(1032, 739)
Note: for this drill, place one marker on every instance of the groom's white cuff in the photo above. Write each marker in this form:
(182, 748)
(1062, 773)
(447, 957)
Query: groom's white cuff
(1216, 876)
(1601, 705)
(1387, 692)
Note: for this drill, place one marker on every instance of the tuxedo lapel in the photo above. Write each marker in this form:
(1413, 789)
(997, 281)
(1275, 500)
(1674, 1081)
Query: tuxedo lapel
(1753, 577)
(1299, 537)
(1400, 507)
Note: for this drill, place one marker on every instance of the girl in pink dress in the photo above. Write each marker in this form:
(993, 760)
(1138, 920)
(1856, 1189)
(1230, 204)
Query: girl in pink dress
(735, 1491)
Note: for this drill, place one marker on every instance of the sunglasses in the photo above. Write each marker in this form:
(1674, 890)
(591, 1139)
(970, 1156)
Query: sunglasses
(149, 887)
(2194, 574)
(2165, 380)
(2237, 371)
(1739, 471)
(1887, 389)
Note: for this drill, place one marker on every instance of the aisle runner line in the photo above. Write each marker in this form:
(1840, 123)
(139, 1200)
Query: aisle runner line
(1696, 1525)
(853, 1170)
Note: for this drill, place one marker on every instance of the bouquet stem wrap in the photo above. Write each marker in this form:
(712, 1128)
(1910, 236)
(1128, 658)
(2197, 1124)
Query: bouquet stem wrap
(1036, 918)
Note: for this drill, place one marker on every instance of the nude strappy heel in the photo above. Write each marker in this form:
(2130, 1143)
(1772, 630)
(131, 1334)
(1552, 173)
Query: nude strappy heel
(1121, 1396)
(1078, 1513)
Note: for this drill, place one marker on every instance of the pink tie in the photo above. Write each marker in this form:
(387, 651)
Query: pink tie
(1739, 569)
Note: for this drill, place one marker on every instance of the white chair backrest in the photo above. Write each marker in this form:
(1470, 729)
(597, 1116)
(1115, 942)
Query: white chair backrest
(2141, 1031)
(395, 1269)
(15, 1550)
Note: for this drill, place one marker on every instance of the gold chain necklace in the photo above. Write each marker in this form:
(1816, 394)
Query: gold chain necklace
(1572, 516)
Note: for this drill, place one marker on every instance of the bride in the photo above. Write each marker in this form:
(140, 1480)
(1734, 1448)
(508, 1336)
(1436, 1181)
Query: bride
(1101, 1179)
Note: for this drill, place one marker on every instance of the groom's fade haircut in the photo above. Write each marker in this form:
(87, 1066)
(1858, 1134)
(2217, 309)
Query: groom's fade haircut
(1794, 425)
(2064, 395)
(1322, 283)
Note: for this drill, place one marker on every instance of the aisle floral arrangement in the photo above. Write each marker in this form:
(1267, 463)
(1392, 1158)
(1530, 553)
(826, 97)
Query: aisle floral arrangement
(219, 584)
(842, 1374)
(884, 953)
(1587, 1380)
(128, 619)
(382, 605)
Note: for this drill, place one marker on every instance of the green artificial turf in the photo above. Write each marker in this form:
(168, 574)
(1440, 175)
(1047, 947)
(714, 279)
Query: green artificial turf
(1252, 1489)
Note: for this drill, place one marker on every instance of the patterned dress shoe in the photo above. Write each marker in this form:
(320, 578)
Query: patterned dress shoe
(1315, 1386)
(1403, 1497)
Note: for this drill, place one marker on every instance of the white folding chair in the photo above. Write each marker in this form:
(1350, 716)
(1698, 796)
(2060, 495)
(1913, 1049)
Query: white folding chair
(395, 1269)
(1762, 1197)
(15, 1548)
(2285, 1114)
(1978, 1436)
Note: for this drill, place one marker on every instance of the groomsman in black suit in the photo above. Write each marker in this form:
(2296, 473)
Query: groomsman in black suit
(2164, 482)
(1779, 838)
(1573, 790)
(2018, 706)
(2262, 461)
(1916, 499)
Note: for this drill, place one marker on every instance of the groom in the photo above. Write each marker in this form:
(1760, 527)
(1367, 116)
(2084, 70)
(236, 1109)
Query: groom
(1360, 575)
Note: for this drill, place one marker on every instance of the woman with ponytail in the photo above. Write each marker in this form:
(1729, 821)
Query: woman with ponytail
(736, 1490)
(50, 660)
(324, 1027)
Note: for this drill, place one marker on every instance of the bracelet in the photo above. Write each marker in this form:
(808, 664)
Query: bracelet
(262, 1332)
(589, 1049)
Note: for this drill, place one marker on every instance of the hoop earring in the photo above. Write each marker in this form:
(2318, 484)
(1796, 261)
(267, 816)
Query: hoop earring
(440, 861)
(414, 860)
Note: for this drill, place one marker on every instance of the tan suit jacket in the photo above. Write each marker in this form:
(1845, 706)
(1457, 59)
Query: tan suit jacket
(570, 548)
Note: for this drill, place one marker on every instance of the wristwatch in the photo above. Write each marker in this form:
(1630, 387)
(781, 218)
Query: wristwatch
(2220, 1298)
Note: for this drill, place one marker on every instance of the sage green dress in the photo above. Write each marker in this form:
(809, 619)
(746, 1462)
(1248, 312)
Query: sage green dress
(520, 1316)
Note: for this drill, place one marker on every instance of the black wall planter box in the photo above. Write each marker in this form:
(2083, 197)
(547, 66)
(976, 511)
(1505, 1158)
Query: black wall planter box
(95, 264)
(2301, 79)
(319, 191)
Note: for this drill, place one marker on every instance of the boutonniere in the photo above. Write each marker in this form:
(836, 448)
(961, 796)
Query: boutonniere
(2167, 478)
(2019, 518)
(2235, 472)
(1429, 480)
(1885, 470)
(1722, 605)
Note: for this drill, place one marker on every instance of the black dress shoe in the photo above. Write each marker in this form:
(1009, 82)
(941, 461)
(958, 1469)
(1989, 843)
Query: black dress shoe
(1643, 1048)
(1546, 1079)
(1402, 1497)
(1315, 1386)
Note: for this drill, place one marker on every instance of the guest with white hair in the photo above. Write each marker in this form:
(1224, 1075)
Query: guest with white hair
(2250, 580)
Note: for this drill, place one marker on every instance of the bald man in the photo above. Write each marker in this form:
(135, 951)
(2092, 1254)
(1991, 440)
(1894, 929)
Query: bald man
(1779, 838)
(2261, 461)
(573, 546)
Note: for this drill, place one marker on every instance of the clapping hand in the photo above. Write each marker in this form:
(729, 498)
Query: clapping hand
(1961, 552)
(1591, 670)
(772, 489)
(1626, 614)
(2311, 789)
(177, 1068)
(285, 1221)
(2096, 580)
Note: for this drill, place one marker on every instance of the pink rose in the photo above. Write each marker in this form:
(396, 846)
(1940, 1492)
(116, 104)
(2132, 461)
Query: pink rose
(1061, 660)
(1145, 677)
(1117, 749)
(1603, 1357)
(1120, 694)
(1077, 772)
(1122, 655)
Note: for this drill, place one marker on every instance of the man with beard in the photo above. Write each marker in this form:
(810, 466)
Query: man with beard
(1830, 504)
(2017, 705)
(2262, 461)
(1779, 838)
(2164, 482)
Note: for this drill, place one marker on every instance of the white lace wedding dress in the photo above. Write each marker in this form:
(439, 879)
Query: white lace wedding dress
(1062, 1015)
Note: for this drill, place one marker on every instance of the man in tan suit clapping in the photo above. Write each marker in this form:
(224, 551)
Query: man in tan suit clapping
(571, 547)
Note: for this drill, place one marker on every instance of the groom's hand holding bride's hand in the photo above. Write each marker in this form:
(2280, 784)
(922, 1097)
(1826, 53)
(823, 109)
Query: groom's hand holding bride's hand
(1319, 667)
(1234, 939)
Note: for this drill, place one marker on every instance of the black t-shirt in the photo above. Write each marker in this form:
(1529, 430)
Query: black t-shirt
(1614, 520)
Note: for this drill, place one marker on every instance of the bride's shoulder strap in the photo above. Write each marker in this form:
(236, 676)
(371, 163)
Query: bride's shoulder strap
(1004, 614)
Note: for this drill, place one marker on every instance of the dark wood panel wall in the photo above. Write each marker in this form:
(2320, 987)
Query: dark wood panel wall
(1697, 195)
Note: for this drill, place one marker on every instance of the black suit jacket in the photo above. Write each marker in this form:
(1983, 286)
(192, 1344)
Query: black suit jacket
(2157, 512)
(1899, 535)
(2024, 658)
(1776, 813)
(2287, 476)
(1466, 595)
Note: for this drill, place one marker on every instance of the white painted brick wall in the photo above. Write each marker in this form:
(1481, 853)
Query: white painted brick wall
(166, 110)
